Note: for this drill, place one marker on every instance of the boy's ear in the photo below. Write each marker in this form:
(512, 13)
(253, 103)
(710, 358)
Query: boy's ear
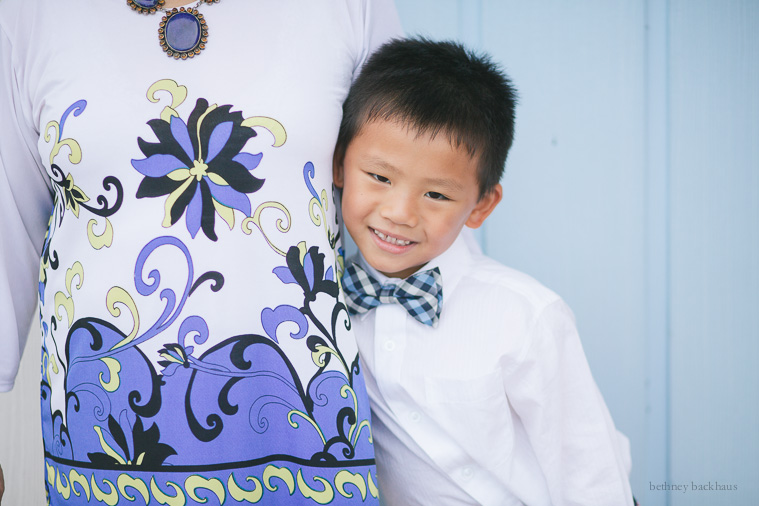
(337, 171)
(485, 206)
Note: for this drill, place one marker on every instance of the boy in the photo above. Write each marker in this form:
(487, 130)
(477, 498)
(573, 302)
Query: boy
(480, 390)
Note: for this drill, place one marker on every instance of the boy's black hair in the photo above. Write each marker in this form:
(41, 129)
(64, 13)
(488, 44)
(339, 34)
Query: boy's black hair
(436, 87)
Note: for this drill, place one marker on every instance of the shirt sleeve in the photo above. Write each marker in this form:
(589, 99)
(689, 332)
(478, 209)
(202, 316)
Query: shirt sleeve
(25, 203)
(567, 422)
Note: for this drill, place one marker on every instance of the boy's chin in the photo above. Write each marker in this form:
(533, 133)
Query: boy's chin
(394, 271)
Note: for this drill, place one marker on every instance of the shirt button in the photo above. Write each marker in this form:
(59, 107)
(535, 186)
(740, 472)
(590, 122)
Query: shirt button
(415, 416)
(390, 345)
(467, 472)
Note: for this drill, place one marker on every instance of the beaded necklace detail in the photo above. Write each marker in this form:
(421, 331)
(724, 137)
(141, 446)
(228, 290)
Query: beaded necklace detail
(182, 32)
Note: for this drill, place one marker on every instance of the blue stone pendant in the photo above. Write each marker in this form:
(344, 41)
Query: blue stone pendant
(146, 6)
(183, 32)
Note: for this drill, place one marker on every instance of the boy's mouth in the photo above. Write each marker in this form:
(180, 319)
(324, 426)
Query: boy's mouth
(390, 239)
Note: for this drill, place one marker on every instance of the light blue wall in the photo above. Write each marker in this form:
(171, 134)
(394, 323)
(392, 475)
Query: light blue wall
(632, 190)
(714, 200)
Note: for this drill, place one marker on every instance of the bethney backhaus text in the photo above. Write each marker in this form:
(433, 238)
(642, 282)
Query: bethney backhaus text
(692, 486)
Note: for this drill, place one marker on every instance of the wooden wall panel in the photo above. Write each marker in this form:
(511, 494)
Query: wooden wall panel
(714, 100)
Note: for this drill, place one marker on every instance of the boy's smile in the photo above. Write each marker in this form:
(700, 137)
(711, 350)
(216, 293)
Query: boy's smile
(407, 195)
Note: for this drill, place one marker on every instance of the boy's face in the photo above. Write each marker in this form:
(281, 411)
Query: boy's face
(407, 196)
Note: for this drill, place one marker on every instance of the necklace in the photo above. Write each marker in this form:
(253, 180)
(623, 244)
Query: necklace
(183, 31)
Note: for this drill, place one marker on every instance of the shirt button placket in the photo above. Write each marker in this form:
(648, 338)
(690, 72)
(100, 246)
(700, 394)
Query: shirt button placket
(389, 339)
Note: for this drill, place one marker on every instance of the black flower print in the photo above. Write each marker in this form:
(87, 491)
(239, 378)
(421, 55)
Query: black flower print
(200, 166)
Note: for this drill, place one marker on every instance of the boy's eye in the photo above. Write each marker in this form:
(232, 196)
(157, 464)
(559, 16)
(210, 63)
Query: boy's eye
(381, 179)
(436, 196)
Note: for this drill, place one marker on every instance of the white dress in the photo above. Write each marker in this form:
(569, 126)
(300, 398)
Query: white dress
(195, 348)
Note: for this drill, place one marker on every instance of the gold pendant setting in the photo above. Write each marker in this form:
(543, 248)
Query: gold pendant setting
(182, 32)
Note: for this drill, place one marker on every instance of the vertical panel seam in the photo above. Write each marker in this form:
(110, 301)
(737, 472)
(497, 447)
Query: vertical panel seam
(658, 247)
(668, 243)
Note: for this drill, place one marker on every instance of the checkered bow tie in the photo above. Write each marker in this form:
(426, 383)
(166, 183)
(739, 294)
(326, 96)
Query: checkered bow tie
(420, 294)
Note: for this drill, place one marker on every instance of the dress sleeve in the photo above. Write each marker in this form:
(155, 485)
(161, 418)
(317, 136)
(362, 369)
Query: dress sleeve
(584, 460)
(380, 23)
(25, 203)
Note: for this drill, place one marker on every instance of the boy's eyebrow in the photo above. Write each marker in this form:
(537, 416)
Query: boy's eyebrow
(380, 163)
(445, 184)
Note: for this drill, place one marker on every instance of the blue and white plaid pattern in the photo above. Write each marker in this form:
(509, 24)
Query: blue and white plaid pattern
(420, 294)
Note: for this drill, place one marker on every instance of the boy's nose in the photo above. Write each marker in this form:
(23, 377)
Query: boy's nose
(401, 210)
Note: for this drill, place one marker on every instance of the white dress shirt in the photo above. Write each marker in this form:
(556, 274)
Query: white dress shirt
(495, 406)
